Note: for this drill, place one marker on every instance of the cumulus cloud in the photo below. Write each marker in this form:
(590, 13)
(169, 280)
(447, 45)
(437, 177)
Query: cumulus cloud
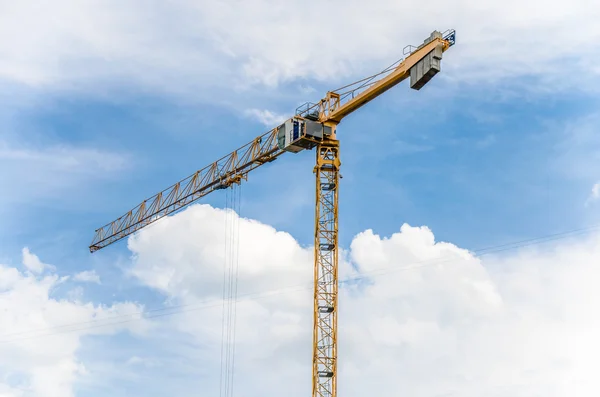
(179, 46)
(38, 353)
(33, 263)
(417, 309)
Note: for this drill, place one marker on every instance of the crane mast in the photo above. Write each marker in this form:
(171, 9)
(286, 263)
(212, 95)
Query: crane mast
(313, 126)
(326, 269)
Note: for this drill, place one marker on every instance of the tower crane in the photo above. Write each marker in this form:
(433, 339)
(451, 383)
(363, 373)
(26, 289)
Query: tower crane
(313, 126)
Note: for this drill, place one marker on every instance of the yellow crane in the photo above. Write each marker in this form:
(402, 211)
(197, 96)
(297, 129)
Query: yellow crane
(313, 126)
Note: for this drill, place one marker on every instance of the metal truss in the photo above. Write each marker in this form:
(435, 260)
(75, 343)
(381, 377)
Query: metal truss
(219, 175)
(326, 270)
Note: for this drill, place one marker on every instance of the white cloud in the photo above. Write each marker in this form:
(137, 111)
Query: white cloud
(521, 324)
(273, 253)
(38, 354)
(33, 263)
(180, 46)
(88, 276)
(266, 117)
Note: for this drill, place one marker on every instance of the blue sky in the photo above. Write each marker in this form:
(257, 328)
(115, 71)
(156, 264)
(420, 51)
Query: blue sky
(402, 162)
(499, 147)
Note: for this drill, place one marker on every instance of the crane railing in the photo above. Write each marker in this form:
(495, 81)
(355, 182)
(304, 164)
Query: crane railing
(218, 175)
(328, 108)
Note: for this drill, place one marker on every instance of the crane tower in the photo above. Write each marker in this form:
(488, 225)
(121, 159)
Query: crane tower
(313, 126)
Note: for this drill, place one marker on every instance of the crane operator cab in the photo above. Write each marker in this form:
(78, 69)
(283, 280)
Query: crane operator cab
(299, 133)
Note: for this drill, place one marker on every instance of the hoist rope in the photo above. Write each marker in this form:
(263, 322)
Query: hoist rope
(237, 272)
(230, 288)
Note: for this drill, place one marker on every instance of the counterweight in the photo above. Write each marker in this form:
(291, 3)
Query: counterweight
(313, 126)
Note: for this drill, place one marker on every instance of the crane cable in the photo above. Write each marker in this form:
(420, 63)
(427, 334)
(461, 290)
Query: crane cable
(225, 302)
(225, 299)
(237, 271)
(230, 284)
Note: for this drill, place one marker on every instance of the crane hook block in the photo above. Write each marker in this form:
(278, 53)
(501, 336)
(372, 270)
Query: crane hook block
(428, 66)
